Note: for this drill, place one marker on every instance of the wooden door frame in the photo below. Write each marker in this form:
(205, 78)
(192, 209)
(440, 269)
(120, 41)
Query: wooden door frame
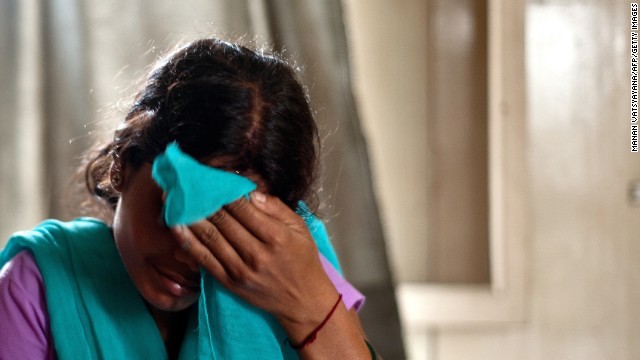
(435, 305)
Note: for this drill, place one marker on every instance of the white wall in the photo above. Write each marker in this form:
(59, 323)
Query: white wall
(389, 52)
(582, 258)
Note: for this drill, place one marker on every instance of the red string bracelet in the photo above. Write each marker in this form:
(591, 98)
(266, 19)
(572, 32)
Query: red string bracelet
(312, 337)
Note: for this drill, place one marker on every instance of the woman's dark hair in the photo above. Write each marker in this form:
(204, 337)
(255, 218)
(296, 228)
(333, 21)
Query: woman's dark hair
(214, 99)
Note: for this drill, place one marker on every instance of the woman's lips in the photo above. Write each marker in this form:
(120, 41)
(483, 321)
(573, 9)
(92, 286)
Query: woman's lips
(177, 284)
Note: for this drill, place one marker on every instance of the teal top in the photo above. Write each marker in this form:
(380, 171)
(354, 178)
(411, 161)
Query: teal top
(96, 311)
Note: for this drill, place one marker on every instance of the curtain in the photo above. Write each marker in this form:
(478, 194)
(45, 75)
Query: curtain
(67, 67)
(22, 168)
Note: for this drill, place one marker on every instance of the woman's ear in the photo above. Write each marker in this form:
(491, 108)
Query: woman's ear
(116, 175)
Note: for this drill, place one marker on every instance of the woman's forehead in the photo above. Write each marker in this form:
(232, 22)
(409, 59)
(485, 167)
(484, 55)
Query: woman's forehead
(229, 163)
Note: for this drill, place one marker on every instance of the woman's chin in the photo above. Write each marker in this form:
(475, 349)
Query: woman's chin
(171, 303)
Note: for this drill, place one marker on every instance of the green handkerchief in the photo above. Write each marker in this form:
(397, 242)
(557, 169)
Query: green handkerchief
(194, 190)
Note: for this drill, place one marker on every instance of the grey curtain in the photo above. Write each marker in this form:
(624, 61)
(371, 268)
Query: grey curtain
(65, 65)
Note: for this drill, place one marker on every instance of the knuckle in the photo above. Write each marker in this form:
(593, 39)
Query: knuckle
(205, 258)
(218, 217)
(298, 223)
(238, 205)
(279, 236)
(241, 277)
(257, 262)
(209, 236)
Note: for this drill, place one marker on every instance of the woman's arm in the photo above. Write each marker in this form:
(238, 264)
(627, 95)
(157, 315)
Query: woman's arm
(263, 252)
(24, 328)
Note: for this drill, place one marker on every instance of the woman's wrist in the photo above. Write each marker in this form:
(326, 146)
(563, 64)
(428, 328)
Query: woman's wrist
(340, 337)
(314, 333)
(303, 320)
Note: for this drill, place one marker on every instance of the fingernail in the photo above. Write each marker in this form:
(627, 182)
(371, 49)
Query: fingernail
(181, 229)
(260, 197)
(181, 238)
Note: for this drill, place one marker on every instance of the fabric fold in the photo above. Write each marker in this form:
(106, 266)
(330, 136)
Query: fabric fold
(229, 327)
(82, 271)
(194, 191)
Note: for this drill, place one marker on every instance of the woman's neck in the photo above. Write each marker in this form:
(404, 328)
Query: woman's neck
(172, 326)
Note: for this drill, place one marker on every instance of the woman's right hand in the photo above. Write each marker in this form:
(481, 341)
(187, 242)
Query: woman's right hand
(262, 251)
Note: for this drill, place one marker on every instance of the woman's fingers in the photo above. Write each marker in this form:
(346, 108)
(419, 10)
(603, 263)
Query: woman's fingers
(238, 236)
(213, 252)
(261, 250)
(274, 207)
(266, 217)
(261, 225)
(192, 246)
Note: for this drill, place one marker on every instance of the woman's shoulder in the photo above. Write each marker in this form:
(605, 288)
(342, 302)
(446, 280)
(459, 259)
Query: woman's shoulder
(54, 226)
(53, 229)
(77, 223)
(20, 280)
(25, 324)
(22, 269)
(52, 239)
